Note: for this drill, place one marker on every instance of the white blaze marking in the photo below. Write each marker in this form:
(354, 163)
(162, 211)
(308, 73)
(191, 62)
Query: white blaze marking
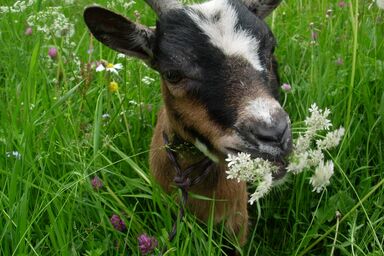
(262, 109)
(223, 33)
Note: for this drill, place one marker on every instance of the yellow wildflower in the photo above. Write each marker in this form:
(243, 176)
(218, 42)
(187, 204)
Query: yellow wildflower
(113, 86)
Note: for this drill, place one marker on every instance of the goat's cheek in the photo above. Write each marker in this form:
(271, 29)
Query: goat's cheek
(230, 140)
(176, 90)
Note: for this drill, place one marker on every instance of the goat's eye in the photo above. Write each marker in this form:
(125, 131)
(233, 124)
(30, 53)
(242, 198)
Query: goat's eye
(173, 76)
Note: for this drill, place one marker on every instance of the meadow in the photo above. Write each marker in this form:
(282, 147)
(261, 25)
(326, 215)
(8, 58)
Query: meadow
(74, 149)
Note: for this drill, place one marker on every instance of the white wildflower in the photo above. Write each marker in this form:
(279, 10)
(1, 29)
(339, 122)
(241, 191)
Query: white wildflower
(106, 116)
(239, 167)
(133, 102)
(258, 171)
(110, 67)
(380, 4)
(331, 140)
(262, 189)
(14, 154)
(18, 6)
(129, 4)
(320, 178)
(52, 22)
(298, 163)
(121, 56)
(302, 144)
(318, 120)
(305, 156)
(120, 3)
(315, 156)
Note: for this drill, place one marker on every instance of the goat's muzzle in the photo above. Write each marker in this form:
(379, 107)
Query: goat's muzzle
(270, 140)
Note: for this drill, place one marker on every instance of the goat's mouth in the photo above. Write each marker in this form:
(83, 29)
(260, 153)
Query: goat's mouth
(279, 160)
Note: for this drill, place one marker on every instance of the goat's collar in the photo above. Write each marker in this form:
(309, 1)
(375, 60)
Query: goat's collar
(188, 149)
(183, 178)
(181, 147)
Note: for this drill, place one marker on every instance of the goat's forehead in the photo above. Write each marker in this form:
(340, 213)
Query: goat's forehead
(229, 27)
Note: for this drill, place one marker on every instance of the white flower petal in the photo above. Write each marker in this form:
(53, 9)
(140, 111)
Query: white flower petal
(322, 175)
(118, 66)
(100, 68)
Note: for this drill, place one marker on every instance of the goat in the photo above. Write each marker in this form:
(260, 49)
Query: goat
(220, 89)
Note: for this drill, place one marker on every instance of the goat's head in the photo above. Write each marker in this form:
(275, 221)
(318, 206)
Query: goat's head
(219, 76)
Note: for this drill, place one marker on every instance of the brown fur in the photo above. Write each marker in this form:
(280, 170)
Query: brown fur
(230, 203)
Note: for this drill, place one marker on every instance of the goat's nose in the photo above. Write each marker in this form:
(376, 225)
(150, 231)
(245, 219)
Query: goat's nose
(277, 134)
(271, 134)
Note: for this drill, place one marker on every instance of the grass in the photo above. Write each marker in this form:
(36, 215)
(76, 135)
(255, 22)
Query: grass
(53, 117)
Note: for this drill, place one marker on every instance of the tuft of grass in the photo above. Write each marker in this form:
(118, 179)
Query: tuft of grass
(52, 115)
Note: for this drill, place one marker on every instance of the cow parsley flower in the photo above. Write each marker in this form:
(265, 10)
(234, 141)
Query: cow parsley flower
(298, 163)
(331, 140)
(380, 4)
(258, 171)
(121, 56)
(18, 6)
(14, 154)
(263, 187)
(307, 155)
(315, 156)
(110, 67)
(239, 167)
(322, 175)
(318, 120)
(52, 22)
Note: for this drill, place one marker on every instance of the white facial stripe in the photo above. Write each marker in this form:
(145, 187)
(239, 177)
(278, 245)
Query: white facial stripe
(262, 109)
(223, 33)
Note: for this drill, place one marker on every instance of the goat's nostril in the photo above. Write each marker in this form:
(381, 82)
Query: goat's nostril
(271, 135)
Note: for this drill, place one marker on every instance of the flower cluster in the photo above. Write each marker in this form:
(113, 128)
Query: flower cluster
(257, 171)
(307, 154)
(97, 183)
(146, 244)
(56, 29)
(118, 223)
(52, 22)
(120, 3)
(380, 4)
(14, 154)
(18, 6)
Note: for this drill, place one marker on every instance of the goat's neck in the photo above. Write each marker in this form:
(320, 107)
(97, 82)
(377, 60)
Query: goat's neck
(186, 152)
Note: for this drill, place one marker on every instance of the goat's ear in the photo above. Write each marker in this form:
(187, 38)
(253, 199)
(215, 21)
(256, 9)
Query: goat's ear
(261, 8)
(119, 33)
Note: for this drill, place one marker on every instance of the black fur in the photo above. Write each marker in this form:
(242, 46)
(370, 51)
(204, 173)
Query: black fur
(209, 74)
